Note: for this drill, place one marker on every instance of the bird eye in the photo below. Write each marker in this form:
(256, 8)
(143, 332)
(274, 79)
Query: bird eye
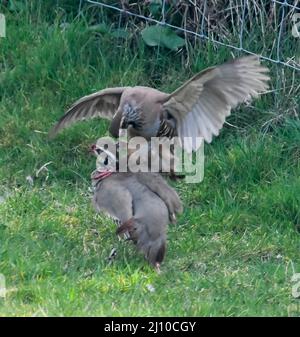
(106, 161)
(99, 151)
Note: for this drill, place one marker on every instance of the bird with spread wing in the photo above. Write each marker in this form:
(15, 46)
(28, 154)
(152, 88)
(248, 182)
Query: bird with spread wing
(196, 109)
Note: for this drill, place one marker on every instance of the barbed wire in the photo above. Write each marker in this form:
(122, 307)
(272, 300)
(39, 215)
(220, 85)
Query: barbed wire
(283, 5)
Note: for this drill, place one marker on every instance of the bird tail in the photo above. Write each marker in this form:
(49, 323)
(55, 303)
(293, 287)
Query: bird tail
(154, 250)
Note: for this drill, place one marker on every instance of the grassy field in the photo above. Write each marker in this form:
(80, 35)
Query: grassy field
(233, 251)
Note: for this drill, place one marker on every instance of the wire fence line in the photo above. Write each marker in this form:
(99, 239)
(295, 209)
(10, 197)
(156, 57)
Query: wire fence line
(286, 9)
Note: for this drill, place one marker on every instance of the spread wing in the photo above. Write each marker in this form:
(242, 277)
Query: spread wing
(103, 104)
(201, 105)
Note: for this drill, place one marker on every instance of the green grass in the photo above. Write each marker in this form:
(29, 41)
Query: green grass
(233, 251)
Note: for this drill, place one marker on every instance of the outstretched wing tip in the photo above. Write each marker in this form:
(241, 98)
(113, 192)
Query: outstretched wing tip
(103, 103)
(51, 134)
(202, 104)
(53, 131)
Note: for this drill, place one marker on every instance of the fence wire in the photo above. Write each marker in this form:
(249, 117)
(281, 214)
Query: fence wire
(289, 14)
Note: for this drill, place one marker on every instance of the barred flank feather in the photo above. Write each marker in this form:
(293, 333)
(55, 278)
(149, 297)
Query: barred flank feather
(166, 129)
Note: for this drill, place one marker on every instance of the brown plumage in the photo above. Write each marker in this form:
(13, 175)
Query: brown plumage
(197, 108)
(143, 203)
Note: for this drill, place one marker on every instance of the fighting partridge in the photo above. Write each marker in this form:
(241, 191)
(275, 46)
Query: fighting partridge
(143, 203)
(196, 109)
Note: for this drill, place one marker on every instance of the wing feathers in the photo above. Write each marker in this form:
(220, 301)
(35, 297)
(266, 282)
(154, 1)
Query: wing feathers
(201, 105)
(103, 104)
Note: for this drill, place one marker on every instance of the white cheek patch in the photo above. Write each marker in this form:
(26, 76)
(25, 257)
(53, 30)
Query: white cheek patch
(105, 153)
